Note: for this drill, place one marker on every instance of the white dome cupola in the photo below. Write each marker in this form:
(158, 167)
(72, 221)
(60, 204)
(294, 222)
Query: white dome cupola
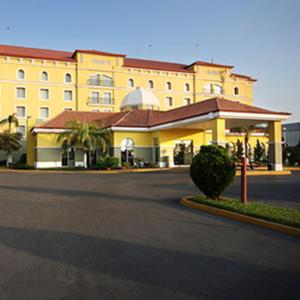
(140, 98)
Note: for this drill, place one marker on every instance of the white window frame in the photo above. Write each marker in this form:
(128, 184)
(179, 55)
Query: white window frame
(40, 94)
(152, 83)
(185, 87)
(65, 94)
(130, 80)
(238, 89)
(169, 86)
(65, 77)
(18, 74)
(44, 80)
(185, 102)
(21, 87)
(44, 118)
(25, 111)
(25, 131)
(167, 101)
(92, 97)
(103, 98)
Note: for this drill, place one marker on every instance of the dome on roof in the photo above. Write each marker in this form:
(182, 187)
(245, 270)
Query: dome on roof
(140, 98)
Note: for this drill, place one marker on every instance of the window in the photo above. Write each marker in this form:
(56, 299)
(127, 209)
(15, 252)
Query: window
(169, 101)
(150, 84)
(107, 81)
(236, 91)
(21, 111)
(44, 76)
(186, 101)
(130, 82)
(21, 92)
(95, 110)
(95, 98)
(44, 112)
(187, 87)
(107, 110)
(94, 79)
(218, 89)
(44, 94)
(68, 78)
(21, 74)
(107, 98)
(68, 95)
(22, 129)
(68, 108)
(169, 86)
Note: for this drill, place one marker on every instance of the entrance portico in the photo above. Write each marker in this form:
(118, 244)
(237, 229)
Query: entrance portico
(158, 135)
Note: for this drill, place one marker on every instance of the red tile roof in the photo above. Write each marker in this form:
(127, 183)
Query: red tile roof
(99, 53)
(208, 64)
(150, 118)
(36, 53)
(155, 65)
(243, 76)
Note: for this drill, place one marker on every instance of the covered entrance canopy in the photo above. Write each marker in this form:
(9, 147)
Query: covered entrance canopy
(216, 115)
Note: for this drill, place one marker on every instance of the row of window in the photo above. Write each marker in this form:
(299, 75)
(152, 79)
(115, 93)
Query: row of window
(43, 76)
(169, 101)
(43, 112)
(210, 88)
(150, 85)
(96, 80)
(96, 99)
(44, 94)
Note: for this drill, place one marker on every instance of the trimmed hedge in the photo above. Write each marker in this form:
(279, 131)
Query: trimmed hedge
(212, 170)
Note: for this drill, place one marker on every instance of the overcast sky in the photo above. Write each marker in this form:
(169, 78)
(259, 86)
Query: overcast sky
(260, 38)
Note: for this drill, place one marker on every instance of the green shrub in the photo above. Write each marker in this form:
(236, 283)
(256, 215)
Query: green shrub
(22, 167)
(212, 170)
(108, 162)
(126, 165)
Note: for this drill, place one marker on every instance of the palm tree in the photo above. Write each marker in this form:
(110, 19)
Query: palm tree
(10, 142)
(89, 137)
(10, 120)
(246, 131)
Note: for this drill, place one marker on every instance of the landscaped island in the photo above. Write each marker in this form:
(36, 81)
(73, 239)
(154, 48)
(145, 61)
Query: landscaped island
(284, 216)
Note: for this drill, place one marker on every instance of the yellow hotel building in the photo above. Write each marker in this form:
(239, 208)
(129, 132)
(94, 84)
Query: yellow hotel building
(162, 104)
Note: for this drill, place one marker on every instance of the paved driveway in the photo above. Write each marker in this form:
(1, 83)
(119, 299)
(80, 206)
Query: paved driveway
(80, 236)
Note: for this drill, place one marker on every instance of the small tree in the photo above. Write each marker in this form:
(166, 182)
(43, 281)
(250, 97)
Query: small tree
(259, 153)
(239, 150)
(212, 170)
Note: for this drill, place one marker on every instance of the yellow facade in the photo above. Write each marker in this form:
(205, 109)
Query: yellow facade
(39, 89)
(185, 86)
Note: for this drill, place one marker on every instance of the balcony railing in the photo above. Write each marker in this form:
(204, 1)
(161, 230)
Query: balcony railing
(100, 101)
(101, 82)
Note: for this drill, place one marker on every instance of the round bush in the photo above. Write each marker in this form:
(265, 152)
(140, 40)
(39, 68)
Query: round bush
(212, 170)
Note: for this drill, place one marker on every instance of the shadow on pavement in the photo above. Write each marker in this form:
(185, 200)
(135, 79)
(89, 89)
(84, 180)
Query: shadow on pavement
(192, 274)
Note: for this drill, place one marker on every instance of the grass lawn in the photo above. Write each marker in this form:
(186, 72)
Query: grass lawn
(285, 216)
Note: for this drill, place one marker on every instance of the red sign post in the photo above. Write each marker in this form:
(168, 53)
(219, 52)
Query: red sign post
(244, 180)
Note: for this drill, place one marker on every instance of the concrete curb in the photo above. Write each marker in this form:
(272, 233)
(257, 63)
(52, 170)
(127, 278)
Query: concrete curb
(39, 171)
(265, 173)
(239, 217)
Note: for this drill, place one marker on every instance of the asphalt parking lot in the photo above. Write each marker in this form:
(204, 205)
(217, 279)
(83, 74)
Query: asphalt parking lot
(124, 236)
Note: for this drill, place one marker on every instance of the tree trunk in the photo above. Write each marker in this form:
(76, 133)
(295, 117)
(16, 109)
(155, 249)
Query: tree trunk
(9, 159)
(85, 159)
